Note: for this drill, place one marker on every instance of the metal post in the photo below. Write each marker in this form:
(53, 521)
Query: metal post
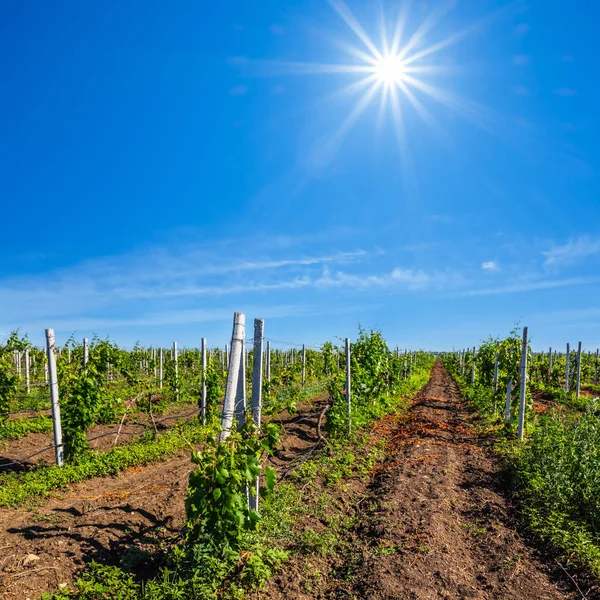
(160, 368)
(267, 360)
(578, 384)
(508, 399)
(303, 364)
(86, 352)
(496, 373)
(257, 371)
(523, 385)
(567, 368)
(176, 366)
(348, 386)
(203, 398)
(238, 334)
(56, 427)
(27, 376)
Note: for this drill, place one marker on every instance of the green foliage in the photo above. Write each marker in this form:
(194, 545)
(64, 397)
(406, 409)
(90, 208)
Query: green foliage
(217, 509)
(378, 379)
(16, 488)
(100, 582)
(558, 472)
(18, 428)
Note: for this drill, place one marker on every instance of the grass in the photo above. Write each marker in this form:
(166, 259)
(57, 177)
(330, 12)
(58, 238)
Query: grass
(18, 428)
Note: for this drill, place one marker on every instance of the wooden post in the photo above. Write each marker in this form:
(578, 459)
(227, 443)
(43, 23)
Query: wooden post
(257, 371)
(56, 426)
(523, 385)
(549, 364)
(578, 382)
(596, 376)
(238, 334)
(303, 364)
(567, 368)
(226, 357)
(348, 387)
(473, 367)
(160, 368)
(508, 399)
(203, 396)
(27, 375)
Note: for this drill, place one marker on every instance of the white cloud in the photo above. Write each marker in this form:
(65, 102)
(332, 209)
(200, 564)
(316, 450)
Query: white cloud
(572, 252)
(489, 265)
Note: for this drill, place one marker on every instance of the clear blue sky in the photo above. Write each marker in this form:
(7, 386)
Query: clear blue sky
(164, 164)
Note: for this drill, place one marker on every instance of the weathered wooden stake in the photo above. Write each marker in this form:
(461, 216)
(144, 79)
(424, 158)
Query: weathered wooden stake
(473, 367)
(52, 374)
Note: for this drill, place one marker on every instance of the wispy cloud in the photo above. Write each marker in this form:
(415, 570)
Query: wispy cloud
(572, 252)
(530, 286)
(489, 265)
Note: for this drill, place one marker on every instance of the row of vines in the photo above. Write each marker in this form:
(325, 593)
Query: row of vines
(226, 548)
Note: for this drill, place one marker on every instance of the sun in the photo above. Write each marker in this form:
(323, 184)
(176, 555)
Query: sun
(389, 69)
(397, 66)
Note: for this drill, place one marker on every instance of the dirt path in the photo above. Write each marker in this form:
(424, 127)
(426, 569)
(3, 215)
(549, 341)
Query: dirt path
(134, 516)
(433, 522)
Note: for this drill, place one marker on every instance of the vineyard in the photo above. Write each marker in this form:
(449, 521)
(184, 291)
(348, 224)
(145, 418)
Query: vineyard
(277, 470)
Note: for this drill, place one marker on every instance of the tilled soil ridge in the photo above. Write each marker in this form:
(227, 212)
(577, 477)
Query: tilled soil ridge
(132, 517)
(440, 510)
(434, 521)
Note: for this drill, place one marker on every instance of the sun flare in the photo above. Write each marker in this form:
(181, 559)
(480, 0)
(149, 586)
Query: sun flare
(389, 69)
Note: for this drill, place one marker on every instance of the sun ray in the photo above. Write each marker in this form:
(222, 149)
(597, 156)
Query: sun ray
(426, 26)
(327, 151)
(357, 53)
(417, 104)
(383, 31)
(399, 29)
(344, 12)
(306, 68)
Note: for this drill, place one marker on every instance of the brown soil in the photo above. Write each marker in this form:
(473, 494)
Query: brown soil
(434, 521)
(135, 515)
(101, 437)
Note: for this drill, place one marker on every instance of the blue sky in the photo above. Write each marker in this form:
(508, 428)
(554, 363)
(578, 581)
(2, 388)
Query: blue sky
(162, 165)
